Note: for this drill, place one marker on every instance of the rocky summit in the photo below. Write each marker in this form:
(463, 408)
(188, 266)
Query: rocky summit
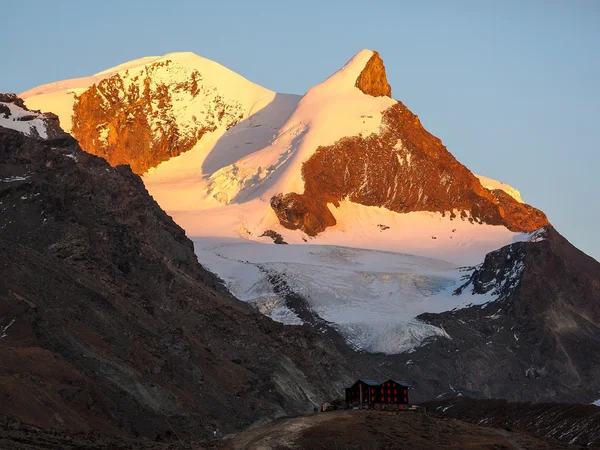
(403, 169)
(372, 80)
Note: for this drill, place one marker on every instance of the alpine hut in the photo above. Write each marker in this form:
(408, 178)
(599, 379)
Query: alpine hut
(386, 394)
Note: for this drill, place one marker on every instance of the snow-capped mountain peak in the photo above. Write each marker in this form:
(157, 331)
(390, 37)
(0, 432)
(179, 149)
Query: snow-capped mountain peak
(149, 110)
(363, 70)
(342, 165)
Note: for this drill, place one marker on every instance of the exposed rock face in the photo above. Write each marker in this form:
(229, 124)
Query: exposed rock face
(500, 272)
(277, 238)
(295, 212)
(145, 117)
(372, 80)
(108, 321)
(540, 341)
(14, 115)
(6, 97)
(404, 169)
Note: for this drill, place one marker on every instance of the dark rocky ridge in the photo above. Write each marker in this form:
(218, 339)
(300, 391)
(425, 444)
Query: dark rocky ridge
(539, 342)
(403, 169)
(108, 321)
(51, 121)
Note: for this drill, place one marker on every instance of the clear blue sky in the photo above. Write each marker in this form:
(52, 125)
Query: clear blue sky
(511, 87)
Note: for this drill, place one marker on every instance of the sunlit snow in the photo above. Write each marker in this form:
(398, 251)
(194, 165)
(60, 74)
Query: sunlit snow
(491, 184)
(59, 97)
(27, 122)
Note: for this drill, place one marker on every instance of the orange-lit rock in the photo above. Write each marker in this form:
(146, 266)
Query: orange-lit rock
(403, 169)
(372, 80)
(131, 119)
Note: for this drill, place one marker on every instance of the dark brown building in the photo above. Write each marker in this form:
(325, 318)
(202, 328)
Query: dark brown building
(374, 394)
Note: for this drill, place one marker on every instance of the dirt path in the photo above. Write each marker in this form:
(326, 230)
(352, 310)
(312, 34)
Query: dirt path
(282, 432)
(378, 429)
(509, 438)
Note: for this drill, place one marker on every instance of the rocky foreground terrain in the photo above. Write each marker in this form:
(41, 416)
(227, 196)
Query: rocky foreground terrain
(371, 430)
(107, 320)
(569, 423)
(343, 430)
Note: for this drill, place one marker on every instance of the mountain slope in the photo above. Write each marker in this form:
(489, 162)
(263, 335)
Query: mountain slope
(108, 321)
(403, 169)
(538, 341)
(338, 143)
(369, 177)
(570, 423)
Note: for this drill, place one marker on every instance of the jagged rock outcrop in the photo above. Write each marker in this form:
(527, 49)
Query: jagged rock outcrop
(295, 212)
(108, 321)
(540, 341)
(31, 123)
(372, 80)
(149, 115)
(7, 97)
(403, 168)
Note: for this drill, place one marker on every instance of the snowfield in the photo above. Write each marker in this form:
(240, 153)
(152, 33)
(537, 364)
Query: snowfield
(371, 297)
(369, 227)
